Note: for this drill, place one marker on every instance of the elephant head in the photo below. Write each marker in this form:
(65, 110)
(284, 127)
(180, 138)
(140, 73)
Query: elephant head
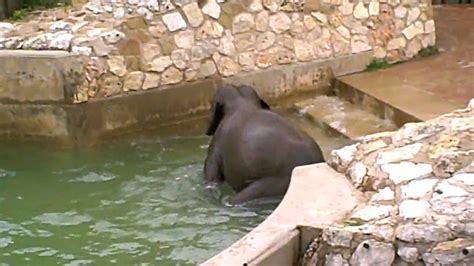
(228, 98)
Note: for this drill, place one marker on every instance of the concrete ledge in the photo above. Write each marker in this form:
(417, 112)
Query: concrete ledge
(39, 76)
(276, 241)
(401, 105)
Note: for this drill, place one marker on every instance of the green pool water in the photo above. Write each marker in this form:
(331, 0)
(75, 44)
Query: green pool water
(135, 202)
(132, 203)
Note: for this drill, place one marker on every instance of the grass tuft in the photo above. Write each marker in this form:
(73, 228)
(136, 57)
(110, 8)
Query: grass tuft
(428, 51)
(377, 64)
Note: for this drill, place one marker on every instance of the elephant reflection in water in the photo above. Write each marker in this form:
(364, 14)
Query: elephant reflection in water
(253, 149)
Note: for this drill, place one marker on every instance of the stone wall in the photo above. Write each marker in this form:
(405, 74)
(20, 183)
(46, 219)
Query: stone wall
(420, 182)
(136, 45)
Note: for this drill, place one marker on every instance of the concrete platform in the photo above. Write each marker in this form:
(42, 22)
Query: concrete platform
(318, 196)
(428, 87)
(343, 117)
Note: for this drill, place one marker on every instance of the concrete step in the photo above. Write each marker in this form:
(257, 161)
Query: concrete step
(343, 117)
(399, 102)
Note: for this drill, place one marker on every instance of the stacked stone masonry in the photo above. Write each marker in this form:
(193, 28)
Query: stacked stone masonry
(138, 45)
(420, 184)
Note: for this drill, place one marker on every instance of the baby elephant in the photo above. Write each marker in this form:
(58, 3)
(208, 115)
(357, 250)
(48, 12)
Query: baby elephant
(253, 148)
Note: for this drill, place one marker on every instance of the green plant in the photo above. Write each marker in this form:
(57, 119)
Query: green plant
(19, 14)
(428, 51)
(377, 64)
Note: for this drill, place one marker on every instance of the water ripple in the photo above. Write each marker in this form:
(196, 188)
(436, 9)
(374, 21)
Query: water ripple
(66, 218)
(94, 177)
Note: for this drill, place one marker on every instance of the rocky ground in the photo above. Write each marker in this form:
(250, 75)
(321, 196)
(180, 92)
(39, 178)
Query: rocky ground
(420, 182)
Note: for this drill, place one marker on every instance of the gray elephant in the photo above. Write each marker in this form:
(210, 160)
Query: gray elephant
(253, 149)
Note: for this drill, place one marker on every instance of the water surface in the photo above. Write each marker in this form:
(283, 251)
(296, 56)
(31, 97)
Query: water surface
(130, 203)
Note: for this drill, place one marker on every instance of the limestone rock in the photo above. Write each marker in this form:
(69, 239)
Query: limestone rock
(400, 11)
(245, 42)
(408, 254)
(338, 237)
(321, 17)
(180, 58)
(456, 252)
(396, 43)
(261, 22)
(207, 69)
(344, 156)
(265, 40)
(159, 64)
(110, 85)
(174, 21)
(413, 233)
(335, 260)
(60, 26)
(184, 39)
(279, 22)
(418, 188)
(372, 212)
(385, 194)
(414, 29)
(360, 11)
(410, 209)
(405, 171)
(247, 61)
(210, 29)
(413, 14)
(149, 51)
(226, 46)
(357, 173)
(152, 80)
(87, 51)
(117, 65)
(374, 8)
(158, 29)
(212, 9)
(226, 66)
(429, 26)
(272, 5)
(446, 190)
(344, 32)
(413, 48)
(242, 23)
(113, 37)
(264, 59)
(360, 43)
(202, 50)
(256, 6)
(133, 81)
(346, 8)
(303, 50)
(372, 252)
(396, 155)
(61, 41)
(309, 22)
(171, 75)
(193, 14)
(466, 178)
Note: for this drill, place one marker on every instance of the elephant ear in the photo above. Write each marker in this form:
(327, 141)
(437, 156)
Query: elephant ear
(217, 114)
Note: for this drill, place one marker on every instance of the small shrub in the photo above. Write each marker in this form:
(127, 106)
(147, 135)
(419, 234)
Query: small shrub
(377, 64)
(428, 51)
(19, 14)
